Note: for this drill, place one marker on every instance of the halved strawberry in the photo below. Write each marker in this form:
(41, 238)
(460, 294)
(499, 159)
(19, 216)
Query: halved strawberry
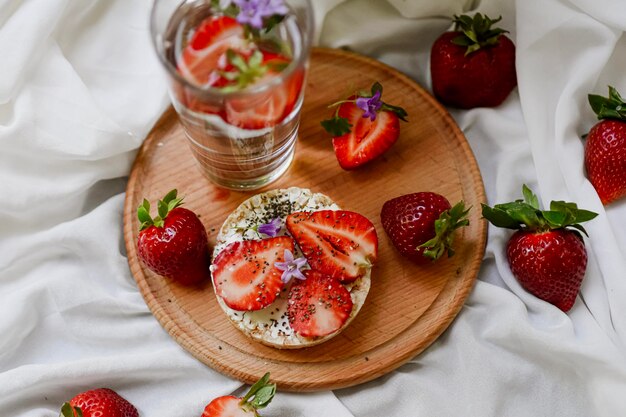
(341, 244)
(270, 107)
(367, 139)
(204, 54)
(318, 306)
(259, 396)
(245, 276)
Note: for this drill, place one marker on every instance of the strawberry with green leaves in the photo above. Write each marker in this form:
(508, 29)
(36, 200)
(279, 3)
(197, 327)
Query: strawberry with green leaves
(259, 396)
(474, 65)
(605, 149)
(363, 127)
(101, 402)
(173, 244)
(422, 225)
(546, 254)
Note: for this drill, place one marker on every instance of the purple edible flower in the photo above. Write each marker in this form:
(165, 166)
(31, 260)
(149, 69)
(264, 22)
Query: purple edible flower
(270, 229)
(252, 12)
(370, 105)
(291, 267)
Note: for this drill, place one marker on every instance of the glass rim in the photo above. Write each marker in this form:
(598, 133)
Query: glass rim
(296, 62)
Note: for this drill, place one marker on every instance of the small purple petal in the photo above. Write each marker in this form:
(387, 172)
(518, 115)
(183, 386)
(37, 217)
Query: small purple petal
(270, 229)
(370, 105)
(283, 266)
(252, 12)
(291, 267)
(298, 275)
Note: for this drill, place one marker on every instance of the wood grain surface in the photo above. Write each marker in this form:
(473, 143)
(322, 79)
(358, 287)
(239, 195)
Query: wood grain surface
(408, 306)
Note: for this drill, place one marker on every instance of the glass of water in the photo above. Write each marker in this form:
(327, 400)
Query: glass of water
(236, 71)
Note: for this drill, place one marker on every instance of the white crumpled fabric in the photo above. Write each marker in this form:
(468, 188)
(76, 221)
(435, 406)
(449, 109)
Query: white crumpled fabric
(80, 88)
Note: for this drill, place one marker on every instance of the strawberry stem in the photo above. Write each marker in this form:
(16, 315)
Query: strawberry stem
(476, 32)
(67, 410)
(526, 215)
(169, 203)
(260, 394)
(445, 225)
(611, 107)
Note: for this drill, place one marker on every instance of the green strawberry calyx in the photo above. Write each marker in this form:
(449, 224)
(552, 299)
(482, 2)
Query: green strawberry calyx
(445, 225)
(368, 101)
(611, 107)
(476, 32)
(526, 215)
(68, 410)
(169, 203)
(260, 394)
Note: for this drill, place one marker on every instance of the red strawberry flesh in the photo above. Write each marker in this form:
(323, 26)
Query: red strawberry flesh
(318, 306)
(245, 276)
(226, 406)
(341, 244)
(367, 139)
(202, 55)
(550, 265)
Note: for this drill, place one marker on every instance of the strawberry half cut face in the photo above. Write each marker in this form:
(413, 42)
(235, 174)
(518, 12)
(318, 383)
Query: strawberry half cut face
(245, 275)
(318, 306)
(204, 54)
(341, 244)
(367, 139)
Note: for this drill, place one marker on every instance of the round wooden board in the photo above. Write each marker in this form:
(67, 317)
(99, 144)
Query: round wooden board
(408, 306)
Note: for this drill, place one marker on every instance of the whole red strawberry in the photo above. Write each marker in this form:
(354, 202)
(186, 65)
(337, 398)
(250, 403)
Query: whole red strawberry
(605, 150)
(101, 402)
(363, 127)
(421, 225)
(546, 256)
(473, 66)
(259, 396)
(173, 244)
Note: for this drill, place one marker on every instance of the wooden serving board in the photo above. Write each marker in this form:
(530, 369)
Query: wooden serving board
(408, 306)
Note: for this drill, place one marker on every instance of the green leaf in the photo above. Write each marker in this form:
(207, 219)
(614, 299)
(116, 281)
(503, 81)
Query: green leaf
(377, 87)
(499, 218)
(449, 221)
(461, 41)
(584, 216)
(162, 207)
(614, 95)
(256, 59)
(259, 395)
(272, 21)
(264, 396)
(170, 196)
(596, 102)
(555, 219)
(523, 213)
(68, 411)
(399, 111)
(580, 228)
(337, 126)
(143, 215)
(530, 197)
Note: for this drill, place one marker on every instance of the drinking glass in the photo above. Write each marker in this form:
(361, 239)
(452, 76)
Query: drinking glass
(241, 139)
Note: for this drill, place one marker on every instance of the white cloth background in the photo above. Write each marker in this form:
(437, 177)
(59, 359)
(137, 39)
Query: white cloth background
(80, 88)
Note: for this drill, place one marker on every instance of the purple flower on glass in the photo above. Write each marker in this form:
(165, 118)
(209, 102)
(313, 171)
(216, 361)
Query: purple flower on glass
(252, 12)
(370, 105)
(270, 229)
(291, 267)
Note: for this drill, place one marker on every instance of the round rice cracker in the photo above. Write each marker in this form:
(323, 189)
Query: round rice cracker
(270, 326)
